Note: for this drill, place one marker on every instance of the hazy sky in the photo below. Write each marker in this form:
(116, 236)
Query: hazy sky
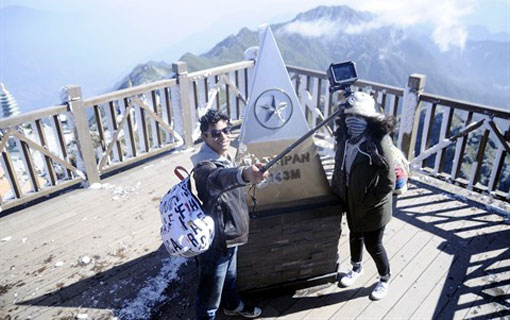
(105, 39)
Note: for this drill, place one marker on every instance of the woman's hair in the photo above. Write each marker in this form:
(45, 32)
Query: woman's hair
(380, 126)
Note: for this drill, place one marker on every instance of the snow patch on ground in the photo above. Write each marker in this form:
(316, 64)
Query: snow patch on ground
(152, 293)
(117, 191)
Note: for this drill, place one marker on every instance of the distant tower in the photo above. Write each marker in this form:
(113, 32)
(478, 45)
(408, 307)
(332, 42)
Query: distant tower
(8, 106)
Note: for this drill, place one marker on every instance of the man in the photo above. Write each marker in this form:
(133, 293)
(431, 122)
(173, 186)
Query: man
(219, 184)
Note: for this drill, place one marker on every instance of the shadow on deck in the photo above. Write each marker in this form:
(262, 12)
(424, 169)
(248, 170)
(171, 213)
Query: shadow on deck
(449, 259)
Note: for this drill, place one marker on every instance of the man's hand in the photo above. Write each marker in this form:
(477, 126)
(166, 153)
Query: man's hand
(253, 173)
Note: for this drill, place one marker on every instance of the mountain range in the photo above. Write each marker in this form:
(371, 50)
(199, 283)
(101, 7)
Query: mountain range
(386, 54)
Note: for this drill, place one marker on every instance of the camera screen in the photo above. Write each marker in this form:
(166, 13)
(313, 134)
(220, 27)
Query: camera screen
(344, 71)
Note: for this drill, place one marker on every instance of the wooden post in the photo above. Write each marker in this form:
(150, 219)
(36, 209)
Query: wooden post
(86, 157)
(184, 106)
(410, 119)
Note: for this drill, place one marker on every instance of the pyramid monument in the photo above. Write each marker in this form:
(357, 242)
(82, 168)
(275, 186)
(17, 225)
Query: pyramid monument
(273, 120)
(295, 225)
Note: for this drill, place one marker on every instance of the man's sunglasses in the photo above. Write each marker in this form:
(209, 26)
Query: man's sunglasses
(215, 133)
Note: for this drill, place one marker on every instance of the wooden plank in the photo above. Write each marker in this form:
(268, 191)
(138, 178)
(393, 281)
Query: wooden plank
(131, 223)
(99, 123)
(227, 98)
(502, 140)
(126, 118)
(84, 243)
(415, 265)
(43, 193)
(477, 164)
(464, 105)
(113, 127)
(50, 218)
(469, 274)
(499, 160)
(167, 113)
(156, 134)
(492, 298)
(419, 206)
(318, 92)
(246, 94)
(221, 69)
(444, 133)
(359, 82)
(13, 121)
(460, 150)
(129, 92)
(431, 277)
(10, 172)
(383, 102)
(195, 90)
(48, 164)
(395, 105)
(168, 105)
(428, 125)
(237, 96)
(129, 134)
(235, 91)
(141, 157)
(218, 87)
(416, 280)
(143, 128)
(25, 142)
(414, 256)
(394, 240)
(123, 122)
(74, 285)
(106, 249)
(41, 216)
(33, 177)
(470, 255)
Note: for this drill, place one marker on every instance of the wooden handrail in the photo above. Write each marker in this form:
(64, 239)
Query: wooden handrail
(220, 70)
(464, 105)
(128, 92)
(208, 86)
(360, 82)
(31, 116)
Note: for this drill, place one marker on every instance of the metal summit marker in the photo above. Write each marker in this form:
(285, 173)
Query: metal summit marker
(295, 227)
(273, 120)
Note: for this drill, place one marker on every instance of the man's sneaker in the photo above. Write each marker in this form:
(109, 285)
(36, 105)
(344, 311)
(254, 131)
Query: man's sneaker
(380, 290)
(350, 277)
(244, 310)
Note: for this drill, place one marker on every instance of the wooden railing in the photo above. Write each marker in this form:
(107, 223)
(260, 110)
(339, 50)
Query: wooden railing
(312, 89)
(464, 143)
(27, 137)
(95, 136)
(437, 134)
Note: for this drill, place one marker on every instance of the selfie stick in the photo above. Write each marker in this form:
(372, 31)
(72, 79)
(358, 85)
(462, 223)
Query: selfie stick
(300, 140)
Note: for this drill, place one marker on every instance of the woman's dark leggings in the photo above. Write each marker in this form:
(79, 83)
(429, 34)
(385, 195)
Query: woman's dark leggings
(374, 245)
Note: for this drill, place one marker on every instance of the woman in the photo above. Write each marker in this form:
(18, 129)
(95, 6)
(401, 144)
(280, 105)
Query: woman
(364, 178)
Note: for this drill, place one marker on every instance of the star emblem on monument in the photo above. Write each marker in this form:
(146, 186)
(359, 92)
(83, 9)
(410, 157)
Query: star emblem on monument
(273, 108)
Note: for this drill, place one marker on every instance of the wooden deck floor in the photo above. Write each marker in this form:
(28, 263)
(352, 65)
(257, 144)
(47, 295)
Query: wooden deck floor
(96, 253)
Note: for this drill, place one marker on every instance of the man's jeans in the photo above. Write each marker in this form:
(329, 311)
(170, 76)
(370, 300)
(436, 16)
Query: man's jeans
(217, 282)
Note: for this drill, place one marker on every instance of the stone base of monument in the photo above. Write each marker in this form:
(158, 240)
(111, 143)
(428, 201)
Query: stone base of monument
(291, 245)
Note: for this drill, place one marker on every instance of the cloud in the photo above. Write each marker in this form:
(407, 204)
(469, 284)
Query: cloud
(444, 16)
(316, 28)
